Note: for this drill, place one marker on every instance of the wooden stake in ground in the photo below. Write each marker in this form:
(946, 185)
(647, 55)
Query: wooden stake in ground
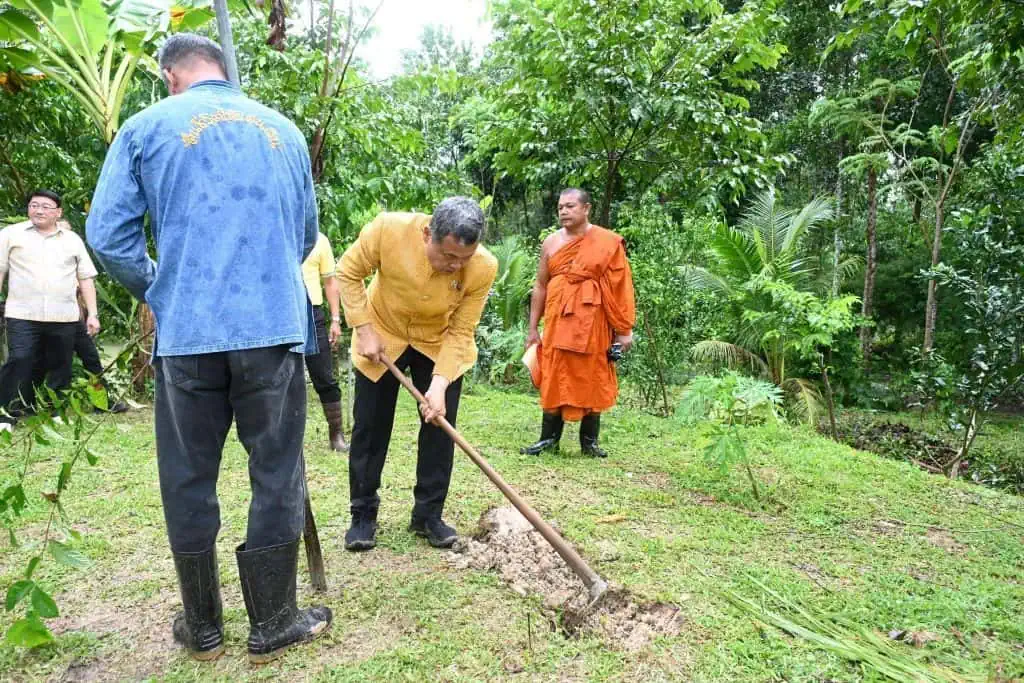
(596, 586)
(311, 541)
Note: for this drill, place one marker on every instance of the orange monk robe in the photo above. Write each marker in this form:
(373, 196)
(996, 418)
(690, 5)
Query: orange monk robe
(590, 294)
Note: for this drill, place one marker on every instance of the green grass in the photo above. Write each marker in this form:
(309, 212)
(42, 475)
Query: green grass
(874, 541)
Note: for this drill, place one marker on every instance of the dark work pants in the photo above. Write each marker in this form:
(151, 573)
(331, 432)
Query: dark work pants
(196, 399)
(84, 348)
(30, 341)
(321, 365)
(374, 417)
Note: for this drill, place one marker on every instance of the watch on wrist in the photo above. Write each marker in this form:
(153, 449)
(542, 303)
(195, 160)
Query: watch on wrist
(335, 319)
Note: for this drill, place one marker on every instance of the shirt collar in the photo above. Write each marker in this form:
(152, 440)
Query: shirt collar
(29, 225)
(213, 84)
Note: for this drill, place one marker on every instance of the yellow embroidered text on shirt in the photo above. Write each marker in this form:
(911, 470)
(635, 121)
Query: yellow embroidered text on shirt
(204, 121)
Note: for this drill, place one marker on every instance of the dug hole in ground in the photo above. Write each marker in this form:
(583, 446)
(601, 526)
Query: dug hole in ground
(507, 543)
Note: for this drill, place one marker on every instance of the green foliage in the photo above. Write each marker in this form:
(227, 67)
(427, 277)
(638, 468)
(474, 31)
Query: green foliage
(761, 269)
(992, 295)
(766, 244)
(735, 401)
(502, 331)
(88, 48)
(513, 283)
(627, 97)
(387, 145)
(671, 316)
(64, 418)
(800, 322)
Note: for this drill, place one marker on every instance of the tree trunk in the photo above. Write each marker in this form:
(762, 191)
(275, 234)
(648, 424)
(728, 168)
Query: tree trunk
(227, 43)
(142, 368)
(609, 190)
(837, 241)
(276, 38)
(19, 183)
(931, 312)
(526, 211)
(870, 267)
(953, 468)
(829, 399)
(657, 364)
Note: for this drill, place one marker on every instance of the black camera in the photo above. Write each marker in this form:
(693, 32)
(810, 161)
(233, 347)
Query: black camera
(615, 353)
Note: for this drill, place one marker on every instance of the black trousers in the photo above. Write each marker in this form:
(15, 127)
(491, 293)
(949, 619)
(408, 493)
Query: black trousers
(197, 397)
(374, 417)
(29, 342)
(84, 348)
(321, 365)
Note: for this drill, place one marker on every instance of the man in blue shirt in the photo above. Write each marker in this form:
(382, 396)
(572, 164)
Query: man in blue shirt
(228, 189)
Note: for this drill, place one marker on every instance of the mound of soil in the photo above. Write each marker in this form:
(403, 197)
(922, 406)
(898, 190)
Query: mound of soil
(508, 544)
(900, 442)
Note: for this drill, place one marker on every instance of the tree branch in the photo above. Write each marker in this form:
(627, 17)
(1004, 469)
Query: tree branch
(18, 180)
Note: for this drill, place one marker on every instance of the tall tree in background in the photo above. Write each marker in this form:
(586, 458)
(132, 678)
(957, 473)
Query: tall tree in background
(972, 46)
(864, 119)
(625, 97)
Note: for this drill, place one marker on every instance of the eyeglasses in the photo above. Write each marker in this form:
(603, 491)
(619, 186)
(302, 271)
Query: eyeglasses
(44, 207)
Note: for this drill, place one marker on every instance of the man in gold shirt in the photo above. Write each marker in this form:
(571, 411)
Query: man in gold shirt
(430, 282)
(319, 265)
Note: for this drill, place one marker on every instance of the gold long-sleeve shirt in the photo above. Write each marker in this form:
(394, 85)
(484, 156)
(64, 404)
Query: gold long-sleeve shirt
(408, 302)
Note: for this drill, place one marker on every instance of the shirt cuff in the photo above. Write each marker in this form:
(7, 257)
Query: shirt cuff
(448, 367)
(356, 318)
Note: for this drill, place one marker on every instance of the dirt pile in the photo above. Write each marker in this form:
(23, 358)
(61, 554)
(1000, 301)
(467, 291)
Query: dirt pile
(507, 544)
(900, 442)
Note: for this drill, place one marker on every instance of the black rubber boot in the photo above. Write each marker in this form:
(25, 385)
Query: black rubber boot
(551, 426)
(590, 428)
(268, 586)
(362, 535)
(437, 533)
(200, 627)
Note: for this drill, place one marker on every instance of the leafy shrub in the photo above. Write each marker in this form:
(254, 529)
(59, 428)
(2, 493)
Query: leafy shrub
(733, 400)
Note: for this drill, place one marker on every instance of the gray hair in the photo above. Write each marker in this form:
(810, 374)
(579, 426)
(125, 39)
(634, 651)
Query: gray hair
(459, 217)
(184, 48)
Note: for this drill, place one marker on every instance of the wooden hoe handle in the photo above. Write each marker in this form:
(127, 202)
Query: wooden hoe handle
(594, 583)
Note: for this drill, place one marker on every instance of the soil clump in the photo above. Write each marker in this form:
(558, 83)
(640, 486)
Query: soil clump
(506, 543)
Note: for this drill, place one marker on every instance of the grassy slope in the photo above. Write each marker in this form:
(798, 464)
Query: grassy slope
(848, 532)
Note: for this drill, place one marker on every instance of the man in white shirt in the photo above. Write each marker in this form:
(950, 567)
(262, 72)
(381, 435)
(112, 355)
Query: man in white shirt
(47, 264)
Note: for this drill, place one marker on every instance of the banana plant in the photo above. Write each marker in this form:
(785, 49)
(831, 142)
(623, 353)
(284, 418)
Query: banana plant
(90, 48)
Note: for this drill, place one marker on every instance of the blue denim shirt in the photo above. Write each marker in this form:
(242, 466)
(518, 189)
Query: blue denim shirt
(227, 185)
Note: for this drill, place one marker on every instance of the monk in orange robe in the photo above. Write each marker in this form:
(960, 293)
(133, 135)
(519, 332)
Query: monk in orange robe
(584, 293)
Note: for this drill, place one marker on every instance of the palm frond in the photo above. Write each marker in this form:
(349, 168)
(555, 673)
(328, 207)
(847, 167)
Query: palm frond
(722, 353)
(806, 402)
(702, 278)
(815, 212)
(737, 254)
(513, 281)
(849, 267)
(843, 638)
(767, 224)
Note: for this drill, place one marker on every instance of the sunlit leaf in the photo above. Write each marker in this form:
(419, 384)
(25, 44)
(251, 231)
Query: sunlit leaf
(28, 632)
(67, 555)
(17, 592)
